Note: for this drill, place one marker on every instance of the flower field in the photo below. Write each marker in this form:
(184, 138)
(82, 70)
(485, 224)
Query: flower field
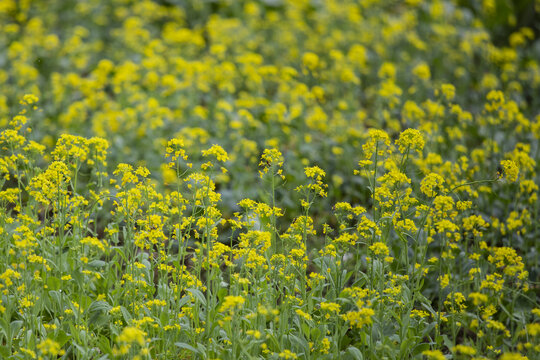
(270, 179)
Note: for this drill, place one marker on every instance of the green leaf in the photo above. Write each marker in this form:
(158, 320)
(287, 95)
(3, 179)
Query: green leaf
(274, 340)
(6, 330)
(99, 306)
(305, 328)
(62, 338)
(126, 314)
(198, 294)
(56, 296)
(183, 301)
(15, 327)
(420, 348)
(356, 354)
(85, 301)
(82, 349)
(97, 263)
(316, 334)
(300, 342)
(105, 345)
(510, 315)
(54, 283)
(201, 348)
(187, 347)
(4, 352)
(447, 342)
(405, 346)
(222, 292)
(98, 313)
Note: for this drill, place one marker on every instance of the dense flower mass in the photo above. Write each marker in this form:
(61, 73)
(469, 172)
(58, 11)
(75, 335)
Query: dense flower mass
(269, 179)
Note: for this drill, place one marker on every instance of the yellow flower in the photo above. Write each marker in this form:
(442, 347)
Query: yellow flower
(131, 334)
(310, 61)
(216, 151)
(432, 184)
(232, 302)
(28, 301)
(359, 318)
(288, 354)
(387, 70)
(303, 314)
(28, 352)
(510, 170)
(314, 172)
(271, 158)
(377, 141)
(513, 356)
(50, 187)
(410, 139)
(317, 185)
(444, 280)
(434, 354)
(464, 349)
(379, 248)
(175, 149)
(95, 242)
(70, 147)
(422, 71)
(29, 99)
(448, 91)
(50, 347)
(325, 346)
(478, 298)
(330, 307)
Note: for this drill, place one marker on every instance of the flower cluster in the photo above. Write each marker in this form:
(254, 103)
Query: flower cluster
(269, 245)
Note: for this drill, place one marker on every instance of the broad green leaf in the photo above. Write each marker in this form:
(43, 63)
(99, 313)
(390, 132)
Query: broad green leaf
(356, 354)
(187, 347)
(199, 295)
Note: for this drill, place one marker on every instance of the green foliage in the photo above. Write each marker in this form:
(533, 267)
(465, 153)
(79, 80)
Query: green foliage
(374, 193)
